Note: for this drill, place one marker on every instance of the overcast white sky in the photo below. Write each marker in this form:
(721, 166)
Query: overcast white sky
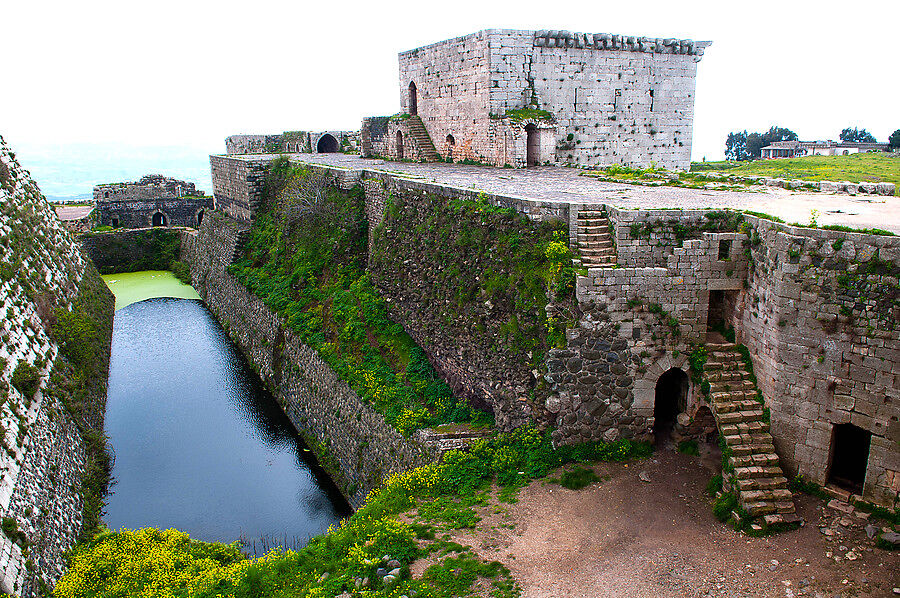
(188, 73)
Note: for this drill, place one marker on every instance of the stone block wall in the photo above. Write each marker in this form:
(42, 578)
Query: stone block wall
(174, 211)
(42, 461)
(351, 440)
(636, 323)
(820, 319)
(238, 184)
(613, 99)
(293, 142)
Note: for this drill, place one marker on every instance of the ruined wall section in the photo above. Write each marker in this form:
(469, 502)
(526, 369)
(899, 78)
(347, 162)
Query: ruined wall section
(351, 440)
(42, 462)
(820, 319)
(636, 324)
(238, 184)
(453, 96)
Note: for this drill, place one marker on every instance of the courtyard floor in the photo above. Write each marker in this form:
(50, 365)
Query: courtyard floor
(648, 530)
(553, 183)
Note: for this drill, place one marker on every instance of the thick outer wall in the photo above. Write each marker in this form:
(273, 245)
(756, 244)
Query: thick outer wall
(816, 365)
(351, 440)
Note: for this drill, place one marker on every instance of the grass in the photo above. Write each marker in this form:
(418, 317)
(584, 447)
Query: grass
(578, 478)
(856, 168)
(399, 519)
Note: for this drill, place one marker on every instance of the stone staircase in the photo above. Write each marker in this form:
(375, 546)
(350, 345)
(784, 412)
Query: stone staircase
(758, 479)
(239, 244)
(595, 242)
(417, 131)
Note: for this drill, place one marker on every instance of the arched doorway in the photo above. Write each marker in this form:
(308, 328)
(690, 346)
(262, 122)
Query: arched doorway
(670, 400)
(413, 99)
(159, 219)
(450, 143)
(115, 222)
(199, 217)
(399, 145)
(327, 144)
(532, 145)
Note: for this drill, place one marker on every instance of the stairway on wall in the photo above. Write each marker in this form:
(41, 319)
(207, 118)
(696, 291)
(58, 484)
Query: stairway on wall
(595, 242)
(758, 479)
(420, 135)
(240, 242)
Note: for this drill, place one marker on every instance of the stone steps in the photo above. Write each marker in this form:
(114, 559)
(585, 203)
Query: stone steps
(758, 479)
(420, 135)
(595, 243)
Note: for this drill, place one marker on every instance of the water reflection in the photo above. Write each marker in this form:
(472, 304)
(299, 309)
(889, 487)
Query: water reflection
(200, 444)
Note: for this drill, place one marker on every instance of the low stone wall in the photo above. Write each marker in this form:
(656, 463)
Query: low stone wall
(351, 440)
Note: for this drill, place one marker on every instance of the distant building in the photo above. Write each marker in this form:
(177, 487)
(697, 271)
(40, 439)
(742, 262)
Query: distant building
(294, 142)
(78, 219)
(155, 200)
(798, 149)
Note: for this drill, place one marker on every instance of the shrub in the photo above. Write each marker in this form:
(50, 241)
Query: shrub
(714, 486)
(26, 379)
(181, 271)
(723, 505)
(578, 478)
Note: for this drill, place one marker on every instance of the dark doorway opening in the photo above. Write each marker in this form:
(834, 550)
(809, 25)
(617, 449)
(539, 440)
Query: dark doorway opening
(413, 99)
(399, 145)
(532, 145)
(671, 399)
(199, 217)
(115, 222)
(327, 144)
(849, 457)
(715, 319)
(158, 219)
(450, 143)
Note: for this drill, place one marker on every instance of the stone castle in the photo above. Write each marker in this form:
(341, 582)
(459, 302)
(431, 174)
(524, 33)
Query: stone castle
(520, 98)
(154, 200)
(816, 393)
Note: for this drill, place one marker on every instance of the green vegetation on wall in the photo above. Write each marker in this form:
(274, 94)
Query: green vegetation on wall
(486, 273)
(305, 257)
(133, 251)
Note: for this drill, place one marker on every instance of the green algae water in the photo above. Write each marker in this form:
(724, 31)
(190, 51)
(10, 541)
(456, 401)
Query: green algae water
(132, 287)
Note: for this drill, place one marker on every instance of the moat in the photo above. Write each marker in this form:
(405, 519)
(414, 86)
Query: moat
(200, 445)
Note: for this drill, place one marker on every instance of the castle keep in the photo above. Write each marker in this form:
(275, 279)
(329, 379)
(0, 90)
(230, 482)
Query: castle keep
(520, 98)
(154, 200)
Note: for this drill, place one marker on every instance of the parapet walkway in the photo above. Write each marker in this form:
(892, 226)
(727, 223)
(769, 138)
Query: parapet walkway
(559, 184)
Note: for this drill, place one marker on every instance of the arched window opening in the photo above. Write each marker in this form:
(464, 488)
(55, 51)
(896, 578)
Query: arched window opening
(199, 217)
(327, 144)
(159, 219)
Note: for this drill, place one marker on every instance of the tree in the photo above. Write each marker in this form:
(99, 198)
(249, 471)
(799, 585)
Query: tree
(736, 146)
(757, 141)
(894, 139)
(857, 135)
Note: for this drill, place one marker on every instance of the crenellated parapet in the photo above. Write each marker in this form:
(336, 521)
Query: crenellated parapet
(630, 43)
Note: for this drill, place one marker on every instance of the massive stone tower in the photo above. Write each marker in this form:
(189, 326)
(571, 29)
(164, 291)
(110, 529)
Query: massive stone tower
(509, 97)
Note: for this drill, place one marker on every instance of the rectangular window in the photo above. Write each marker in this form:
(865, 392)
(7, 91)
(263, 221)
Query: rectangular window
(651, 100)
(724, 249)
(616, 97)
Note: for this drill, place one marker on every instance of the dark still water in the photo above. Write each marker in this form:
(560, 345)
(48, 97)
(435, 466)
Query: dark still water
(200, 445)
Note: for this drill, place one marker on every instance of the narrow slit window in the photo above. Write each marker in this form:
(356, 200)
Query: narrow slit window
(724, 249)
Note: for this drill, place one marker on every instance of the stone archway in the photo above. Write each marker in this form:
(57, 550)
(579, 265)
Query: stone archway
(413, 99)
(645, 387)
(327, 144)
(158, 219)
(200, 217)
(532, 145)
(670, 399)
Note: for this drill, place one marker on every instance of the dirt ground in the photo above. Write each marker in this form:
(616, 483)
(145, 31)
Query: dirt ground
(625, 536)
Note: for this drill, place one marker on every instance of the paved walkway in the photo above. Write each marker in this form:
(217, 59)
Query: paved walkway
(553, 183)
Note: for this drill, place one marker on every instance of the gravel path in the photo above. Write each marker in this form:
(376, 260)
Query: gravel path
(553, 183)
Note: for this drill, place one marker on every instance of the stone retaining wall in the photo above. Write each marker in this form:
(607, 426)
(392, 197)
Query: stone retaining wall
(351, 440)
